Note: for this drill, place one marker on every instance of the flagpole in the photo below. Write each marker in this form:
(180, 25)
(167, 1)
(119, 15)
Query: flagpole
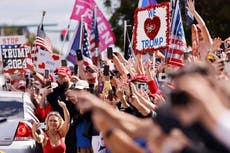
(81, 28)
(125, 28)
(43, 16)
(65, 36)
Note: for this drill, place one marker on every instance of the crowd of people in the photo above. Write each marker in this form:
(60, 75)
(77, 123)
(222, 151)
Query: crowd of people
(136, 106)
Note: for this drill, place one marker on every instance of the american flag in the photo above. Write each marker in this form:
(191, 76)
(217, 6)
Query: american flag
(85, 47)
(94, 39)
(128, 47)
(177, 44)
(188, 14)
(145, 3)
(42, 40)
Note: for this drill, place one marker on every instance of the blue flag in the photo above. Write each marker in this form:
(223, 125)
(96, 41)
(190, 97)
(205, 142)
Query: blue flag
(128, 48)
(75, 45)
(145, 3)
(188, 14)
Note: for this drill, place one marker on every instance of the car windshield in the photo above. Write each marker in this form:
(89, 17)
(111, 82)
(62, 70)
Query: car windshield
(10, 108)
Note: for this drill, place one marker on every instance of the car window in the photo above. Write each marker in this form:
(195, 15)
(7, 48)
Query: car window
(11, 108)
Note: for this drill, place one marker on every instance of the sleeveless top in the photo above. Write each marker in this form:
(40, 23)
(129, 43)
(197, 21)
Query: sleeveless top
(48, 148)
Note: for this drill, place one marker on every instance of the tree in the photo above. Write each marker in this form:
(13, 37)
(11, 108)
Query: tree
(214, 12)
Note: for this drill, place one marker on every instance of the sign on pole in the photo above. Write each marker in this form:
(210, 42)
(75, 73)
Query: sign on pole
(151, 28)
(8, 40)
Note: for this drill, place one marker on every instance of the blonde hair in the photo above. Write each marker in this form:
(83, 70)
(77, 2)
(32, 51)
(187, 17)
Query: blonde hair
(57, 114)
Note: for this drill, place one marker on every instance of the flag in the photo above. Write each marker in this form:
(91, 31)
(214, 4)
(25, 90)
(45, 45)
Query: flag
(177, 43)
(94, 39)
(189, 16)
(145, 3)
(85, 46)
(75, 45)
(85, 7)
(42, 40)
(16, 58)
(128, 47)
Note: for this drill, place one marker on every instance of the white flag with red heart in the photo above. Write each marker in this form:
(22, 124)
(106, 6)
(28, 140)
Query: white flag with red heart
(151, 28)
(44, 60)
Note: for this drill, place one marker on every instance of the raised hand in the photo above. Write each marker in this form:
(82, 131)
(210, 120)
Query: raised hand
(216, 44)
(191, 6)
(62, 104)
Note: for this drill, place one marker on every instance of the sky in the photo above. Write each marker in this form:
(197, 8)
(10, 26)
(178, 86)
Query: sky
(18, 12)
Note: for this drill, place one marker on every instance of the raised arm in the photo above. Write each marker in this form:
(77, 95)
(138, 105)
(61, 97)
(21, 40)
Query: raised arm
(40, 138)
(65, 126)
(204, 29)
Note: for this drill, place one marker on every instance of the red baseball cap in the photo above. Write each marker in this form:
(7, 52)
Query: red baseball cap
(140, 77)
(63, 70)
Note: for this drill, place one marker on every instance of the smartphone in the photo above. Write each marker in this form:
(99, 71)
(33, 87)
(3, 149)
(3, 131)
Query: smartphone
(141, 85)
(110, 96)
(63, 63)
(48, 84)
(110, 53)
(42, 125)
(75, 69)
(79, 55)
(106, 70)
(47, 73)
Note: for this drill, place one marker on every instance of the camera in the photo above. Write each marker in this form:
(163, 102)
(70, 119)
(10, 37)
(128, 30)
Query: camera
(162, 77)
(141, 85)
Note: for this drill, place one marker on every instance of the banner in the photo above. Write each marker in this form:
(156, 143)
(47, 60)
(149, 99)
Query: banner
(45, 60)
(15, 57)
(85, 8)
(9, 40)
(151, 28)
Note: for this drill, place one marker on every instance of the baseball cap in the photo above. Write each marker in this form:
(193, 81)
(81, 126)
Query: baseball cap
(21, 83)
(140, 78)
(82, 84)
(63, 70)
